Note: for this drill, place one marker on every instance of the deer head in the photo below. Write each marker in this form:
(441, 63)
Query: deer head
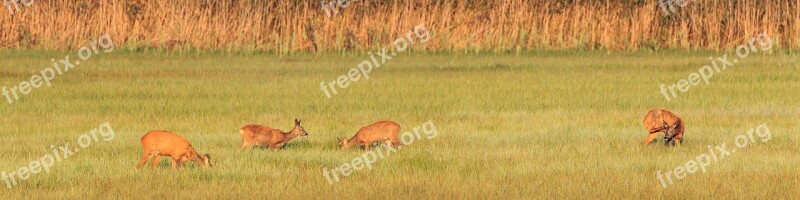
(669, 132)
(343, 143)
(192, 155)
(298, 129)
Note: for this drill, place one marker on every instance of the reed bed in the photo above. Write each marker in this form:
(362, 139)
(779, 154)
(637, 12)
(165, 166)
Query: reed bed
(303, 26)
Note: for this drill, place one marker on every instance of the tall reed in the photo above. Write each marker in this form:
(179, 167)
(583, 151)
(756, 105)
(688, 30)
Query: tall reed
(472, 25)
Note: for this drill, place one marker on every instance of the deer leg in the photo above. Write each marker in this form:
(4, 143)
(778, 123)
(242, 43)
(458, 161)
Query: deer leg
(396, 142)
(677, 142)
(154, 164)
(142, 162)
(388, 143)
(366, 146)
(650, 138)
(175, 163)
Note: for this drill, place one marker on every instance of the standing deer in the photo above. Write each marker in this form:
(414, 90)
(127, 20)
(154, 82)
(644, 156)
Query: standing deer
(384, 131)
(658, 120)
(254, 134)
(165, 143)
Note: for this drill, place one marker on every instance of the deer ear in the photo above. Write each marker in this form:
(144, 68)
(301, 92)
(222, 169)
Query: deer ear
(296, 122)
(207, 156)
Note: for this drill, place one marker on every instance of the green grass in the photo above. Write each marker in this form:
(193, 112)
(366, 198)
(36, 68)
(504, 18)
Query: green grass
(538, 125)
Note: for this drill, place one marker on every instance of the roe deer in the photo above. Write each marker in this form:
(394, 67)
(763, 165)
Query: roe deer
(384, 131)
(254, 134)
(658, 120)
(165, 143)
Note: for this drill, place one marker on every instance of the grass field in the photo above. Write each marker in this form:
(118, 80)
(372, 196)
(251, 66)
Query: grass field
(537, 125)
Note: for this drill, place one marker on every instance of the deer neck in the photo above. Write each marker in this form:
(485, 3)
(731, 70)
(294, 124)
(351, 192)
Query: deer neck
(352, 141)
(289, 135)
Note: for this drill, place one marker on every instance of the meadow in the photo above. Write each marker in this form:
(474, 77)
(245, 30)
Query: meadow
(533, 125)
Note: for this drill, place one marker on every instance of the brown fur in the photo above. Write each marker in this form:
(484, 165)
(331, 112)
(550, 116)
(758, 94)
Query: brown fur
(165, 143)
(254, 134)
(658, 120)
(384, 131)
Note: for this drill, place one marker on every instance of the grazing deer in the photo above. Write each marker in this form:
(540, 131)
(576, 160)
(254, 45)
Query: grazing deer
(165, 143)
(658, 120)
(254, 134)
(384, 131)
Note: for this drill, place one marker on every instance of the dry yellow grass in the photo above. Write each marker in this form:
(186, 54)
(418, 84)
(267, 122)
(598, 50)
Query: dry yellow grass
(288, 26)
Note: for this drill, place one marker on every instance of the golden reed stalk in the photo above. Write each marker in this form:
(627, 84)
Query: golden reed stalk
(294, 25)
